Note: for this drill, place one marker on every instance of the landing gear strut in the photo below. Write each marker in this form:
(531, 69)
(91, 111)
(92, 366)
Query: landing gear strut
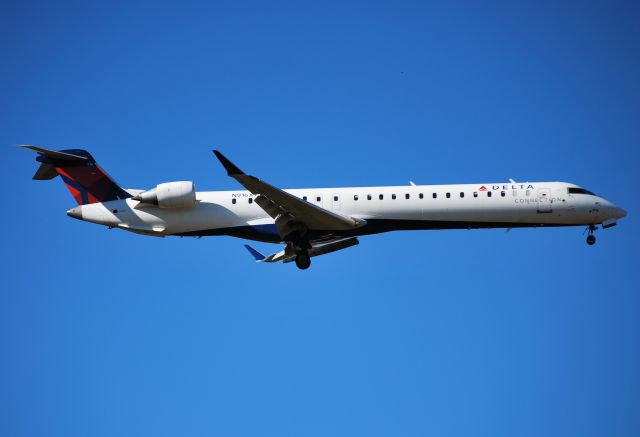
(300, 246)
(303, 261)
(591, 239)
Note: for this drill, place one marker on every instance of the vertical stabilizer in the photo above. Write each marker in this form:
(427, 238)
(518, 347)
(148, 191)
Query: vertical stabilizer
(86, 181)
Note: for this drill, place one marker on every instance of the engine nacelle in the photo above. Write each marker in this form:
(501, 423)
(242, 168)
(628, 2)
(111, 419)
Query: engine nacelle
(170, 195)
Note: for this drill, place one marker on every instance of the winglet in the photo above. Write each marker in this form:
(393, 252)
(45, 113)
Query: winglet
(257, 255)
(231, 168)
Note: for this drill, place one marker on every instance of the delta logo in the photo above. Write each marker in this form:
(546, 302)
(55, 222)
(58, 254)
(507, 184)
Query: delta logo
(507, 187)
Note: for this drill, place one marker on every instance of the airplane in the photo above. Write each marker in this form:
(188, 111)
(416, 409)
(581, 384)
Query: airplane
(316, 221)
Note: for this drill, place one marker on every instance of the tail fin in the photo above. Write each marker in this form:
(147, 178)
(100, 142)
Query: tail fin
(86, 181)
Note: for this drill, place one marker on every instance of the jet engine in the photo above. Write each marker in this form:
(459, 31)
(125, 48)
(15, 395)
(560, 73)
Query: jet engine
(170, 195)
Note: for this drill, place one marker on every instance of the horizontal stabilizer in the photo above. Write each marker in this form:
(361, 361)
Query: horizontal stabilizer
(55, 155)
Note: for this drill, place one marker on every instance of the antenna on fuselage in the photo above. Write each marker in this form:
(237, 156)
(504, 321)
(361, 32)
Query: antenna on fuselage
(512, 181)
(413, 184)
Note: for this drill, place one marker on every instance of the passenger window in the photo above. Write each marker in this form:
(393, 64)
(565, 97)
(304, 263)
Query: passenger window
(355, 197)
(475, 194)
(435, 195)
(515, 193)
(233, 201)
(368, 196)
(527, 193)
(250, 200)
(421, 195)
(406, 196)
(304, 198)
(461, 194)
(502, 193)
(335, 198)
(380, 197)
(488, 193)
(393, 196)
(318, 199)
(448, 195)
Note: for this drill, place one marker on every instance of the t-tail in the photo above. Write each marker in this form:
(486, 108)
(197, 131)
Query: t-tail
(86, 181)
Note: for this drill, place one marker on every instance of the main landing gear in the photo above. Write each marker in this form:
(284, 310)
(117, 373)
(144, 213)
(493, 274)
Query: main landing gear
(300, 245)
(591, 239)
(303, 261)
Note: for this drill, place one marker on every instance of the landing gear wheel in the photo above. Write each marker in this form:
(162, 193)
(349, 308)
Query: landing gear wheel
(591, 240)
(303, 261)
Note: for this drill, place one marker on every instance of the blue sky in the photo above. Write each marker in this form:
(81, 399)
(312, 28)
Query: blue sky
(451, 333)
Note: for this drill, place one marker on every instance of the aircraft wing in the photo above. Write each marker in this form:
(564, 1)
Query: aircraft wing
(286, 209)
(288, 255)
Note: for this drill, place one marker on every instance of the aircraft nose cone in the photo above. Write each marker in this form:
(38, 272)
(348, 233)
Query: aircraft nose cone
(620, 213)
(76, 212)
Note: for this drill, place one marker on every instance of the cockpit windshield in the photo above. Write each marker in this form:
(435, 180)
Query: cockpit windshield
(573, 190)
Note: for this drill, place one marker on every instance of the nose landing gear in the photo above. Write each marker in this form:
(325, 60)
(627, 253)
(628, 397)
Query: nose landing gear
(591, 239)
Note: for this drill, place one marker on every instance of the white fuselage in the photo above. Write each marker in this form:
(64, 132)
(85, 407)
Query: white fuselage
(383, 208)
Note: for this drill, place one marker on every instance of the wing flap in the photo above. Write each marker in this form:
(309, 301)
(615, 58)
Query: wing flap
(334, 247)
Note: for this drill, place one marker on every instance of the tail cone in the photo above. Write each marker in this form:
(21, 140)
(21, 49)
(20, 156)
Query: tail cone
(76, 212)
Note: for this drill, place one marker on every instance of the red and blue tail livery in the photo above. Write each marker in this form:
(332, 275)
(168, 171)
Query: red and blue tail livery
(87, 182)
